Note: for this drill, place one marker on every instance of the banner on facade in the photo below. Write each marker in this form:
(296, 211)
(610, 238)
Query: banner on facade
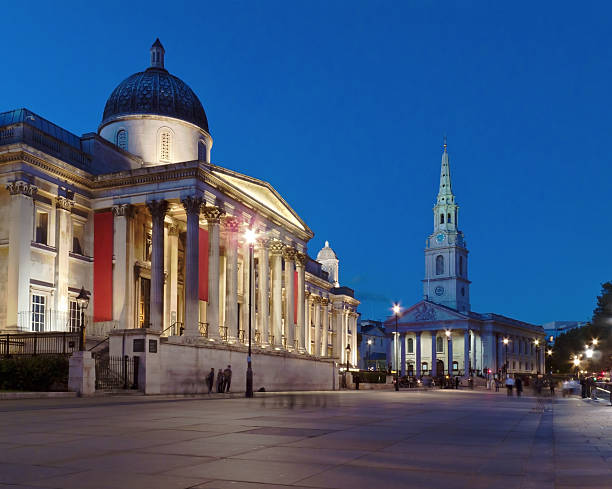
(103, 267)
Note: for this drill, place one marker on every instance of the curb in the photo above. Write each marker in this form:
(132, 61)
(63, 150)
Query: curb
(36, 395)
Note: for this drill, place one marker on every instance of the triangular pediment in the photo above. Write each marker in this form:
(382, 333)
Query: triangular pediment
(425, 311)
(263, 193)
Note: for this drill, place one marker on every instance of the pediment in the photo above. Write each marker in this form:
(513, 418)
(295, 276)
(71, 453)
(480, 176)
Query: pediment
(425, 311)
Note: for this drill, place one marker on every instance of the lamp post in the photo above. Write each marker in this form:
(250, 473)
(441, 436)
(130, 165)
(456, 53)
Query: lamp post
(369, 348)
(577, 365)
(450, 354)
(549, 353)
(83, 302)
(506, 340)
(396, 311)
(536, 342)
(249, 236)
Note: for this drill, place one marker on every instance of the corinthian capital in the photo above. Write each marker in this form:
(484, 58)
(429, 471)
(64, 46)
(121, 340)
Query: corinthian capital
(192, 205)
(325, 301)
(122, 210)
(231, 224)
(212, 214)
(64, 203)
(289, 253)
(276, 247)
(158, 209)
(300, 259)
(23, 188)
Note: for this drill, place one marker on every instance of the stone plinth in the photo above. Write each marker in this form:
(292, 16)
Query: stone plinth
(82, 373)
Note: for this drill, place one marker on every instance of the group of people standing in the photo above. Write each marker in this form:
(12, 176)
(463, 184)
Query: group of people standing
(224, 380)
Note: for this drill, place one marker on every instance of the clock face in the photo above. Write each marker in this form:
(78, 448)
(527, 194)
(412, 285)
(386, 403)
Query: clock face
(440, 237)
(439, 290)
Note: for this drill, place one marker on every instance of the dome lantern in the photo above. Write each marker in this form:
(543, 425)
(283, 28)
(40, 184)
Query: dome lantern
(157, 54)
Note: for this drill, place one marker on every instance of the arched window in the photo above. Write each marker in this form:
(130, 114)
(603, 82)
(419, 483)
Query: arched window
(410, 345)
(461, 265)
(439, 265)
(455, 366)
(424, 366)
(122, 139)
(165, 146)
(439, 345)
(201, 150)
(441, 218)
(448, 218)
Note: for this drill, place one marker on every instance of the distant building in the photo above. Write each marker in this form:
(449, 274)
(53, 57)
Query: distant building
(373, 346)
(555, 328)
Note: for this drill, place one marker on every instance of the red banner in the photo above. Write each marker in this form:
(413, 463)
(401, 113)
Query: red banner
(203, 265)
(103, 266)
(295, 296)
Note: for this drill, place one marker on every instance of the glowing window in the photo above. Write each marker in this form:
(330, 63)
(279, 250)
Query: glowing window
(165, 146)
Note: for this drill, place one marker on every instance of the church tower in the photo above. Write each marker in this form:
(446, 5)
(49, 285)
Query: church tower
(446, 256)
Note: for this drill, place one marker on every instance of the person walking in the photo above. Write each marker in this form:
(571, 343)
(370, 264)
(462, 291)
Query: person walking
(457, 382)
(220, 378)
(509, 384)
(356, 379)
(551, 386)
(496, 384)
(519, 386)
(227, 375)
(210, 379)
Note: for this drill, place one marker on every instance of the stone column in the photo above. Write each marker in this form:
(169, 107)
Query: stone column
(289, 255)
(121, 277)
(317, 325)
(324, 326)
(158, 209)
(276, 252)
(231, 304)
(300, 265)
(172, 285)
(450, 354)
(499, 344)
(213, 215)
(473, 356)
(21, 228)
(418, 354)
(62, 264)
(192, 207)
(434, 367)
(403, 353)
(307, 319)
(354, 346)
(466, 353)
(263, 322)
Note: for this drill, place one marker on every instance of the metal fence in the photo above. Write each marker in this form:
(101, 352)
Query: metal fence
(116, 372)
(57, 343)
(46, 320)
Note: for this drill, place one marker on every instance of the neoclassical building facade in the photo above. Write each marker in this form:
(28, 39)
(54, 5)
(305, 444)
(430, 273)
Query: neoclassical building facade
(441, 335)
(138, 215)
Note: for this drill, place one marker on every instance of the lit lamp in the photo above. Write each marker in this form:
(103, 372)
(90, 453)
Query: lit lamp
(83, 302)
(577, 364)
(536, 342)
(250, 237)
(506, 340)
(450, 360)
(369, 348)
(595, 341)
(396, 311)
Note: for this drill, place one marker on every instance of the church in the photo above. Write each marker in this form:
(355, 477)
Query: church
(441, 335)
(139, 216)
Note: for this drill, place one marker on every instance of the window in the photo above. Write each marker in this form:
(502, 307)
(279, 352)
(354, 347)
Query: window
(202, 150)
(455, 366)
(463, 291)
(461, 266)
(78, 238)
(439, 265)
(42, 227)
(39, 310)
(424, 367)
(165, 146)
(441, 218)
(122, 139)
(410, 345)
(448, 218)
(439, 345)
(75, 315)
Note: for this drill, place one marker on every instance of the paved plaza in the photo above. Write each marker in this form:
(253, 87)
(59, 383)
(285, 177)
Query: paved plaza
(375, 439)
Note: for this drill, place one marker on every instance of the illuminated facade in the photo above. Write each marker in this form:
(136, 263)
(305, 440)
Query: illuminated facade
(139, 216)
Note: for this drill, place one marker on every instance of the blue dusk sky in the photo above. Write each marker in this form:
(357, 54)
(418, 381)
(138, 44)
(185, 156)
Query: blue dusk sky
(342, 107)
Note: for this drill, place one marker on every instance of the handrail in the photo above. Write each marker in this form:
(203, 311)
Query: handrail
(173, 325)
(99, 343)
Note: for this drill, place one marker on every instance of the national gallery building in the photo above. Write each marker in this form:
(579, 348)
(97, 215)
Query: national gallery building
(441, 335)
(138, 215)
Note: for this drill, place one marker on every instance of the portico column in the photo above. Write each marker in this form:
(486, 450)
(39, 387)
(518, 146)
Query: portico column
(62, 265)
(307, 319)
(213, 215)
(300, 262)
(264, 293)
(276, 250)
(289, 255)
(473, 358)
(192, 207)
(354, 346)
(500, 352)
(324, 326)
(21, 226)
(450, 354)
(231, 304)
(403, 353)
(466, 353)
(158, 209)
(172, 285)
(418, 354)
(121, 312)
(434, 367)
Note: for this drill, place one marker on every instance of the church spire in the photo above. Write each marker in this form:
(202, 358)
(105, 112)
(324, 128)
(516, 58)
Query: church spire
(445, 210)
(445, 194)
(157, 54)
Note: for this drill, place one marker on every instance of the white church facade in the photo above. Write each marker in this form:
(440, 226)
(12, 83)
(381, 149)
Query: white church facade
(441, 335)
(139, 216)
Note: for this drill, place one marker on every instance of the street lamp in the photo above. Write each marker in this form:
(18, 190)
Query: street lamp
(506, 340)
(348, 354)
(369, 348)
(577, 365)
(448, 350)
(250, 236)
(536, 342)
(595, 341)
(396, 311)
(83, 302)
(549, 353)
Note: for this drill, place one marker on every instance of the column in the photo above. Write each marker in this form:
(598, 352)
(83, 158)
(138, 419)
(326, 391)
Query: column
(307, 319)
(264, 293)
(289, 255)
(62, 265)
(231, 304)
(499, 345)
(213, 215)
(276, 255)
(434, 367)
(466, 353)
(192, 207)
(324, 326)
(172, 285)
(316, 350)
(418, 354)
(473, 359)
(403, 353)
(450, 354)
(300, 266)
(21, 228)
(121, 310)
(158, 209)
(354, 346)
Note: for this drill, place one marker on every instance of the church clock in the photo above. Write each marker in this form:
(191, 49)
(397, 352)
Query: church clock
(440, 237)
(439, 290)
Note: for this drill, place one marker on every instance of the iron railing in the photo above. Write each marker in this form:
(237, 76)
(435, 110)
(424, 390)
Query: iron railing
(46, 320)
(116, 372)
(57, 343)
(241, 336)
(223, 332)
(175, 329)
(203, 327)
(258, 337)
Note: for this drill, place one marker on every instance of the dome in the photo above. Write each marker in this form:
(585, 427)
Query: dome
(326, 253)
(155, 92)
